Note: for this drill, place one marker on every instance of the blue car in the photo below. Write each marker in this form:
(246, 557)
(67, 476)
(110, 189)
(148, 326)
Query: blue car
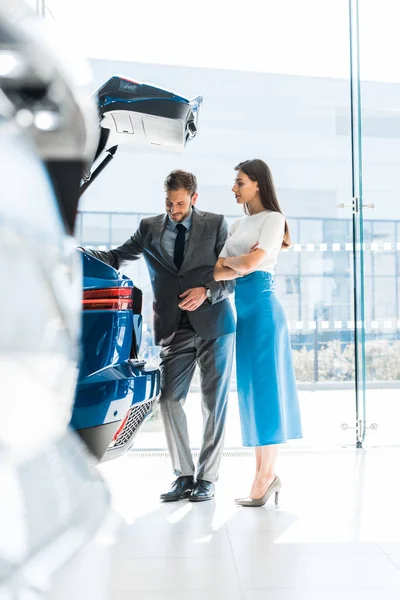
(116, 391)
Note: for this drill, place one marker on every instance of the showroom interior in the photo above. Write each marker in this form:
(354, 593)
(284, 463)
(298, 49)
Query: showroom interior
(312, 87)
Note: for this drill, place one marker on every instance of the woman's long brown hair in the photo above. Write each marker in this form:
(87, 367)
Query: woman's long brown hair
(257, 170)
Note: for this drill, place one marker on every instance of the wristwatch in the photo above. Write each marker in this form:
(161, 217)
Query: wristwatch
(208, 293)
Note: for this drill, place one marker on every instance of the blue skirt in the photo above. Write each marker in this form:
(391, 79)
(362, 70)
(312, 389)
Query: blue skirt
(268, 401)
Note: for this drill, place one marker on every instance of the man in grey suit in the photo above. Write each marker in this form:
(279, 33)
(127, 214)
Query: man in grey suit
(193, 323)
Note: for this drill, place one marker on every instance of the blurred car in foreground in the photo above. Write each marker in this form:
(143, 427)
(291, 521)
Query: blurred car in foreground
(116, 391)
(55, 517)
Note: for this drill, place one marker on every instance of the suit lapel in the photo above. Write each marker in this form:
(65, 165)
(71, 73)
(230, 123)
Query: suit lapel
(158, 230)
(196, 232)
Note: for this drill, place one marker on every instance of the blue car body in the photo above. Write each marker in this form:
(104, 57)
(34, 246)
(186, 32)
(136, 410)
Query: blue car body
(115, 392)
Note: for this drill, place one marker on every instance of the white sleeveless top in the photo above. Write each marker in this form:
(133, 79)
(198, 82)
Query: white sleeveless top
(267, 228)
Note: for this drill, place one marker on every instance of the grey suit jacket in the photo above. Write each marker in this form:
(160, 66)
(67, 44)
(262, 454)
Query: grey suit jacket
(207, 237)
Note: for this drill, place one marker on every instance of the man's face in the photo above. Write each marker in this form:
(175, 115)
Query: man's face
(178, 204)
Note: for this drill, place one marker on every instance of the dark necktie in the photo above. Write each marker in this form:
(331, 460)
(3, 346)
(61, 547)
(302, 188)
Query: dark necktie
(179, 250)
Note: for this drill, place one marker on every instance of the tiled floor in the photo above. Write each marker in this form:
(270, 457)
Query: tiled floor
(336, 534)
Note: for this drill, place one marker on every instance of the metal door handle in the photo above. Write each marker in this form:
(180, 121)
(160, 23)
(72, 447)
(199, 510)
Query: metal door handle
(355, 205)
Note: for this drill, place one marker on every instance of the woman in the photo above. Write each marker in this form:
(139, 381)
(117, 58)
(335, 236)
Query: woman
(268, 402)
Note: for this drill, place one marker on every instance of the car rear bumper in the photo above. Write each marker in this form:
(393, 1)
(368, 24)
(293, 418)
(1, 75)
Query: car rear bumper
(121, 395)
(112, 440)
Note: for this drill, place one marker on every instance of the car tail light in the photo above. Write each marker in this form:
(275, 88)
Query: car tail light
(108, 299)
(130, 80)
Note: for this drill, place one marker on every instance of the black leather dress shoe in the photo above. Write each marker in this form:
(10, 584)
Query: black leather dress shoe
(180, 489)
(203, 490)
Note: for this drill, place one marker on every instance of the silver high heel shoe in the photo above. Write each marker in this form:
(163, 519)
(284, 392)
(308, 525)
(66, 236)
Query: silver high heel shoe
(274, 488)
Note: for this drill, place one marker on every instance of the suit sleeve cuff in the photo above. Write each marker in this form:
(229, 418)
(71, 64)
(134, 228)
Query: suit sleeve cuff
(214, 289)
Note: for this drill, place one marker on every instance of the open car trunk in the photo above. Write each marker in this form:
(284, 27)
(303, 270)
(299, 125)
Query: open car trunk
(137, 115)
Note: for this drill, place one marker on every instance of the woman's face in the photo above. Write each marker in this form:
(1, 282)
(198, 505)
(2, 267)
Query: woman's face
(245, 189)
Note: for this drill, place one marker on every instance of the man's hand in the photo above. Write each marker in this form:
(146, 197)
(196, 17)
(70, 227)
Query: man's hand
(193, 298)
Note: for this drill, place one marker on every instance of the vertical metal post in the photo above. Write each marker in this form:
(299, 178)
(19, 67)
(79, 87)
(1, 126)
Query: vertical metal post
(316, 349)
(396, 275)
(358, 225)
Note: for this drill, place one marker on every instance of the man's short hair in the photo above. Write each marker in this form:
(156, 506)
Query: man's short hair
(181, 180)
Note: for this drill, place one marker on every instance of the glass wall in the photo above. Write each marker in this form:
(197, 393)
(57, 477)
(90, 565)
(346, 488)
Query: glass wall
(379, 128)
(291, 104)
